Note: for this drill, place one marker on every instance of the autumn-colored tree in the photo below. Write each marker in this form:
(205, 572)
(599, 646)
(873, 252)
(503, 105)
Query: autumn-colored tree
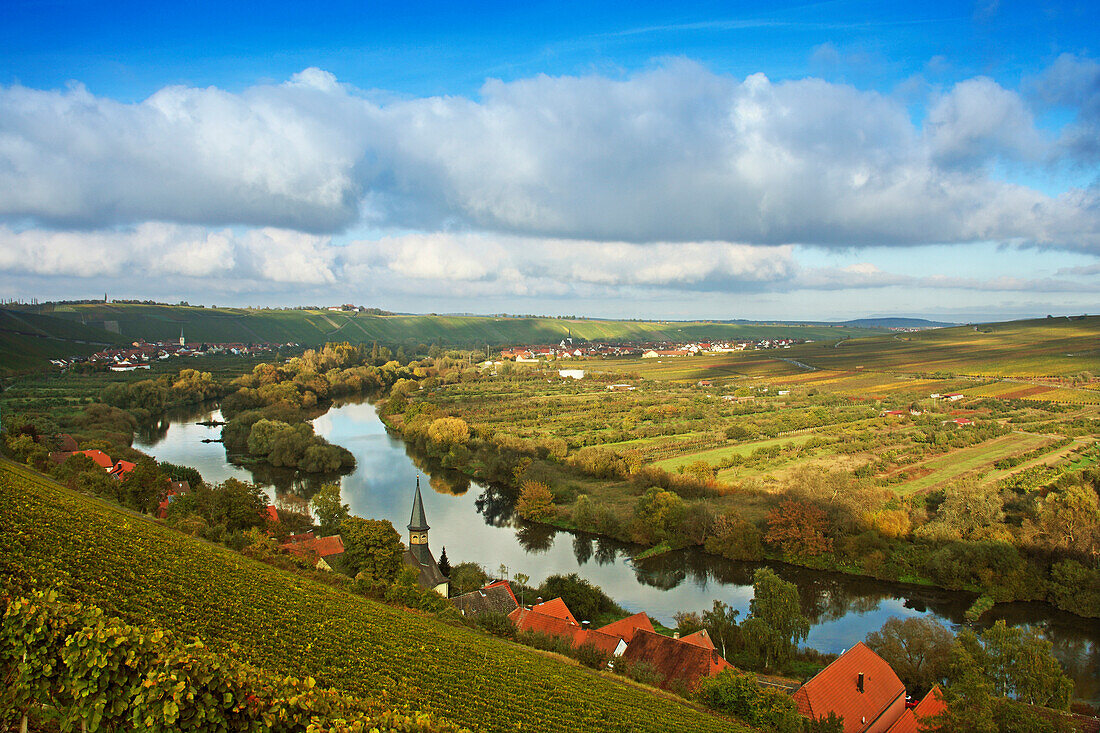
(657, 515)
(536, 503)
(890, 522)
(798, 528)
(449, 431)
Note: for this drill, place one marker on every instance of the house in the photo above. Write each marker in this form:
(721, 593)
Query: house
(67, 443)
(650, 354)
(960, 421)
(621, 387)
(894, 413)
(627, 627)
(100, 458)
(912, 721)
(326, 549)
(554, 618)
(175, 489)
(121, 468)
(953, 396)
(675, 661)
(419, 555)
(700, 638)
(704, 383)
(859, 687)
(494, 598)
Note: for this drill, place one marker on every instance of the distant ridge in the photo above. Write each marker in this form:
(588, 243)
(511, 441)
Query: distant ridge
(896, 323)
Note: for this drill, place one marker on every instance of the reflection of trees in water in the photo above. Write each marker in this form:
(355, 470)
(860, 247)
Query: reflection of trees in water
(288, 481)
(535, 538)
(582, 548)
(665, 577)
(495, 505)
(449, 482)
(606, 551)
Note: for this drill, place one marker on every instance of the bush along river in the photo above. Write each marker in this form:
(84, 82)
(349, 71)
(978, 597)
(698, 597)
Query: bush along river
(475, 523)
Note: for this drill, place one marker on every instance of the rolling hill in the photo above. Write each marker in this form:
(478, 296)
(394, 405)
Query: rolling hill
(30, 340)
(315, 327)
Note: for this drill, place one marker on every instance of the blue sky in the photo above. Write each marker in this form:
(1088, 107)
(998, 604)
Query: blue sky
(793, 160)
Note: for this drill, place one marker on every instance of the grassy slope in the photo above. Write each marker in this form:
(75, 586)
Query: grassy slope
(316, 327)
(29, 340)
(1037, 348)
(145, 572)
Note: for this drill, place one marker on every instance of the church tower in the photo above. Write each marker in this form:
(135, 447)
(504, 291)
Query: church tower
(182, 342)
(419, 555)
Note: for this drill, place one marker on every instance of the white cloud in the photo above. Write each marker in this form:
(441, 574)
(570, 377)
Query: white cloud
(677, 154)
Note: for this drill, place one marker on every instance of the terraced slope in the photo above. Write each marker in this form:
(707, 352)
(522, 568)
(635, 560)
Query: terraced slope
(141, 571)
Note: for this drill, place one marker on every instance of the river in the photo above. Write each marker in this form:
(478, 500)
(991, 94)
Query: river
(475, 524)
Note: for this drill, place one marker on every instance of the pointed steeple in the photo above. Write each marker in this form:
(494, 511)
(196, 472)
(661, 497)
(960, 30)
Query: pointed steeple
(418, 522)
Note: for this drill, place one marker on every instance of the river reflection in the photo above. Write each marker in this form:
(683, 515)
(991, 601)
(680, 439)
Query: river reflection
(476, 523)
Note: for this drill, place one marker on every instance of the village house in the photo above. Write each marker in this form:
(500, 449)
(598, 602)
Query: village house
(953, 396)
(858, 686)
(496, 597)
(326, 550)
(676, 661)
(916, 719)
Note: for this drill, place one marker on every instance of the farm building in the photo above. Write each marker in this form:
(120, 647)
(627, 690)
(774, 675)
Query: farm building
(859, 687)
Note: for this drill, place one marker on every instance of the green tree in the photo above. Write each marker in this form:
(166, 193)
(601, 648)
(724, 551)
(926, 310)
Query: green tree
(775, 623)
(918, 649)
(142, 487)
(657, 515)
(466, 577)
(721, 624)
(444, 563)
(735, 538)
(330, 512)
(372, 550)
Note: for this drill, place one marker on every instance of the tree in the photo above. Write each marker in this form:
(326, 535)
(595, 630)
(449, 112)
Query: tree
(466, 577)
(918, 649)
(330, 512)
(586, 601)
(372, 550)
(238, 505)
(735, 538)
(521, 580)
(1017, 662)
(721, 624)
(536, 503)
(798, 528)
(449, 431)
(775, 622)
(657, 514)
(444, 564)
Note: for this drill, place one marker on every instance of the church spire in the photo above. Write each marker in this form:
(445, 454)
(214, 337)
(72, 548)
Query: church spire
(418, 522)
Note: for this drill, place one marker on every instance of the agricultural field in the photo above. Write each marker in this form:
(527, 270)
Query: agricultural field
(315, 327)
(761, 415)
(143, 572)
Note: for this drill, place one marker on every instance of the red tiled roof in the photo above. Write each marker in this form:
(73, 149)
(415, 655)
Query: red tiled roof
(557, 608)
(102, 459)
(911, 720)
(627, 626)
(271, 513)
(319, 546)
(834, 689)
(674, 659)
(606, 643)
(122, 468)
(700, 638)
(530, 619)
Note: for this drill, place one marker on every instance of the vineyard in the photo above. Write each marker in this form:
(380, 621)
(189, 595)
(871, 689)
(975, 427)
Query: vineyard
(287, 625)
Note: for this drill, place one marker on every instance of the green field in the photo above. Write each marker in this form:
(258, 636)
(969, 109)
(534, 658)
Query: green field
(139, 570)
(964, 461)
(315, 327)
(717, 454)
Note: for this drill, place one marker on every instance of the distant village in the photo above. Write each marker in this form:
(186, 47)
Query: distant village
(566, 349)
(143, 354)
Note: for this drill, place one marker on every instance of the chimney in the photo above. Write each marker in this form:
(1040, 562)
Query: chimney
(538, 600)
(675, 634)
(859, 683)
